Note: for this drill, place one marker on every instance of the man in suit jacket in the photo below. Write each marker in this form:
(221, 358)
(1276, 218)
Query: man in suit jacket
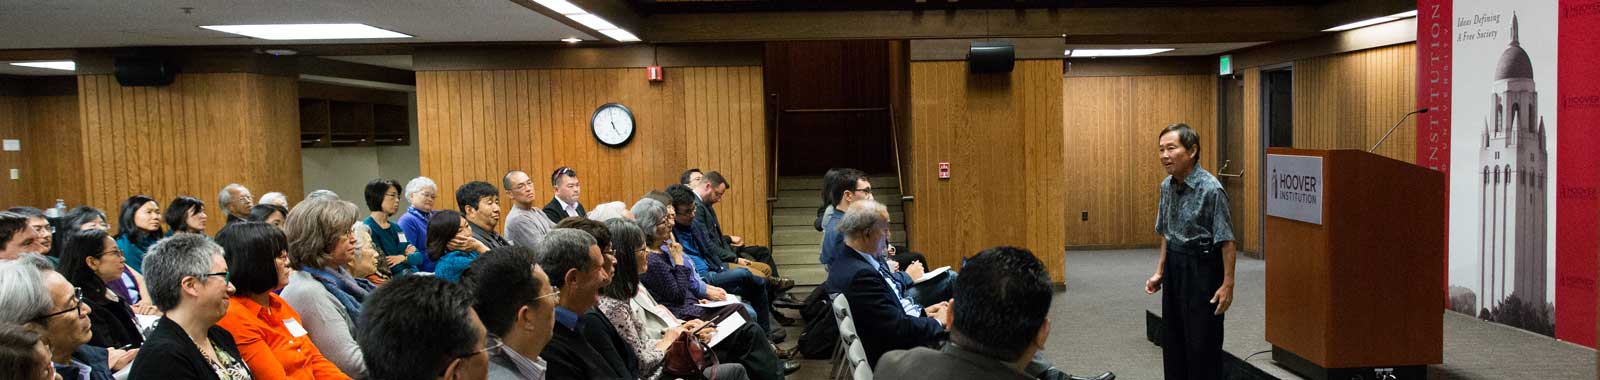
(885, 317)
(759, 260)
(999, 322)
(572, 261)
(565, 204)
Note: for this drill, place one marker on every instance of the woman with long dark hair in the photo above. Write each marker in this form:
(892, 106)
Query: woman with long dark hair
(186, 214)
(270, 214)
(451, 246)
(138, 227)
(90, 260)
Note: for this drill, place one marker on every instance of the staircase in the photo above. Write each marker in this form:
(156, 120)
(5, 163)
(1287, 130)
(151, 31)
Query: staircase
(796, 243)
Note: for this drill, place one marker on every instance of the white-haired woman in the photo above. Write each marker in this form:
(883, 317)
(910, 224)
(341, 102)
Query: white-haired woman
(421, 192)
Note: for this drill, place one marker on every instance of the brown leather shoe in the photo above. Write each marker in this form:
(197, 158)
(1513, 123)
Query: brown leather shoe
(781, 284)
(790, 353)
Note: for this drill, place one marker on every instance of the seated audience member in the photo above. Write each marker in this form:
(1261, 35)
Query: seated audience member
(322, 291)
(841, 188)
(365, 264)
(16, 237)
(826, 210)
(322, 194)
(138, 228)
(43, 232)
(691, 178)
(274, 198)
(420, 327)
(997, 327)
(479, 203)
(39, 298)
(610, 210)
(77, 219)
(266, 329)
(751, 289)
(647, 327)
(235, 200)
(383, 200)
(910, 267)
(517, 305)
(571, 259)
(565, 205)
(90, 260)
(668, 276)
(525, 225)
(24, 354)
(421, 192)
(270, 214)
(189, 283)
(886, 319)
(758, 259)
(451, 246)
(186, 214)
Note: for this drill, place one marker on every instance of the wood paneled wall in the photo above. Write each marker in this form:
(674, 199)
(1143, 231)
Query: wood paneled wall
(189, 138)
(1247, 223)
(476, 125)
(1347, 101)
(48, 128)
(1114, 171)
(1001, 135)
(805, 76)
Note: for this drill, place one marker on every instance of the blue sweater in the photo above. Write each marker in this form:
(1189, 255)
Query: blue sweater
(452, 264)
(414, 223)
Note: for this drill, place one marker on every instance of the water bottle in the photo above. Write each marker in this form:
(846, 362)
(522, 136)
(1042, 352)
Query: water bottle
(58, 211)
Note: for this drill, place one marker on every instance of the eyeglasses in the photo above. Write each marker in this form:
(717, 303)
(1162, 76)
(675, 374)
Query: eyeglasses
(44, 229)
(225, 275)
(554, 292)
(494, 344)
(74, 304)
(866, 190)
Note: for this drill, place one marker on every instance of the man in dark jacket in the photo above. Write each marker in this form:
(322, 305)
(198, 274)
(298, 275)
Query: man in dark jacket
(885, 317)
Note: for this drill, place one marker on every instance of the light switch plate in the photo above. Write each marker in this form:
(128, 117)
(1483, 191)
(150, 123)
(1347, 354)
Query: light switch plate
(12, 145)
(15, 174)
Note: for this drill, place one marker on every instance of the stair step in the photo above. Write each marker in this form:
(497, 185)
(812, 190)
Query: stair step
(794, 219)
(792, 259)
(815, 183)
(809, 274)
(811, 210)
(886, 198)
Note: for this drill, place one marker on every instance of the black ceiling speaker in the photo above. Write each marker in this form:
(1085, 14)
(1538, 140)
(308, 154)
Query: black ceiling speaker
(990, 57)
(144, 71)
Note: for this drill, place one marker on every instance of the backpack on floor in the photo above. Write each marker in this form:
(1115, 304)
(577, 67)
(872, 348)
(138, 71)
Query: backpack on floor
(821, 333)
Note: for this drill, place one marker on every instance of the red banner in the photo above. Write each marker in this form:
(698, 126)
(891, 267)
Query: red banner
(1578, 179)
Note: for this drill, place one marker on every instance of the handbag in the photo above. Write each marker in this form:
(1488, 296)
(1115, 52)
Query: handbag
(688, 358)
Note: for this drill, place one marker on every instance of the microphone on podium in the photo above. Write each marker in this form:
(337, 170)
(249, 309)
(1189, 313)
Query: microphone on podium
(1397, 125)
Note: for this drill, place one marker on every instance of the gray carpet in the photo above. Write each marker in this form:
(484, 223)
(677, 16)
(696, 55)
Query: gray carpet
(1098, 325)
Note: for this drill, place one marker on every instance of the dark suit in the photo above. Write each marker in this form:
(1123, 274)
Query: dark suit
(950, 362)
(553, 211)
(881, 323)
(168, 353)
(705, 219)
(574, 354)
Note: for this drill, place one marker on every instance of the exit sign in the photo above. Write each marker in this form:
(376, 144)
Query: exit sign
(1225, 65)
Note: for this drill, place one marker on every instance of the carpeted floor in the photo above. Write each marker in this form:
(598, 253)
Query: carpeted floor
(1098, 325)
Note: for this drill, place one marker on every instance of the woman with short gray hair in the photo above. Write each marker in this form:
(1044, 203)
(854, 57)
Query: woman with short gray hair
(21, 290)
(328, 298)
(188, 280)
(421, 192)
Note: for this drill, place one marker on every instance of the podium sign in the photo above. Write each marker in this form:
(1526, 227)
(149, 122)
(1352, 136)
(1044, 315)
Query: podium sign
(1294, 187)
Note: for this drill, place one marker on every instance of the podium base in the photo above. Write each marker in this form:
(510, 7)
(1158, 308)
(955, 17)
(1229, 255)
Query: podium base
(1303, 367)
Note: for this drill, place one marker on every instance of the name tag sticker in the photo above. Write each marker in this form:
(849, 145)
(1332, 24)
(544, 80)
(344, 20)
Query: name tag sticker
(294, 327)
(403, 238)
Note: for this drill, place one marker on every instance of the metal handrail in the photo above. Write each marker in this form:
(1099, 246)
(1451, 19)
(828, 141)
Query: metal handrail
(899, 172)
(826, 110)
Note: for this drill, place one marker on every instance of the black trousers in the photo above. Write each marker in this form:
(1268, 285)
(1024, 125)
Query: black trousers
(1191, 336)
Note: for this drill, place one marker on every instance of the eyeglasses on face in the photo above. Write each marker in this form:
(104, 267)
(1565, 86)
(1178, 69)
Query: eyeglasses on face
(225, 275)
(73, 304)
(554, 292)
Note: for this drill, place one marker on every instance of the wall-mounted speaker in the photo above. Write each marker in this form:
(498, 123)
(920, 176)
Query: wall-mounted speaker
(144, 71)
(991, 57)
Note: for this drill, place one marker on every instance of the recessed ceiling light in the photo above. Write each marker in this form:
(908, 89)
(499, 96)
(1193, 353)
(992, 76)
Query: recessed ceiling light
(307, 31)
(1373, 21)
(592, 21)
(620, 35)
(1114, 52)
(560, 6)
(53, 65)
(571, 40)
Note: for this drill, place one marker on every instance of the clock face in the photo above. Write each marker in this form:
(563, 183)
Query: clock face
(612, 124)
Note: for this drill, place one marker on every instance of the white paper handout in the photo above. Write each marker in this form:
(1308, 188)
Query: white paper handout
(731, 300)
(726, 327)
(931, 274)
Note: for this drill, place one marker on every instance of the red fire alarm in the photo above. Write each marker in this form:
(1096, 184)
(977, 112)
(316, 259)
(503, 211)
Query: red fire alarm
(655, 74)
(944, 170)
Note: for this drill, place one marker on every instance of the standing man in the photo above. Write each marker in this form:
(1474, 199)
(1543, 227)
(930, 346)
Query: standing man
(565, 181)
(525, 225)
(235, 199)
(1197, 254)
(480, 204)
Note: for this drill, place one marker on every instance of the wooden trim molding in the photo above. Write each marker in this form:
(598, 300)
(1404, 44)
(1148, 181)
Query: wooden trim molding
(700, 55)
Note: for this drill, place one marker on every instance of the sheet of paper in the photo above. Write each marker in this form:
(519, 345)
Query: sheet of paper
(726, 328)
(146, 321)
(731, 300)
(931, 274)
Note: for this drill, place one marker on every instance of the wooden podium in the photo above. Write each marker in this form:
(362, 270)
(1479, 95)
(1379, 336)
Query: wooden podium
(1362, 293)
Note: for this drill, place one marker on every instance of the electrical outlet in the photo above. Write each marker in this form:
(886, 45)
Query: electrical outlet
(1086, 215)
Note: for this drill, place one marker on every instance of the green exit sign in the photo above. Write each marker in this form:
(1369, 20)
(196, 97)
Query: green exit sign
(1225, 65)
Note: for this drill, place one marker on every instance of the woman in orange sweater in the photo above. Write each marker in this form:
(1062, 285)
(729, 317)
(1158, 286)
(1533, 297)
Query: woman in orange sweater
(267, 330)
